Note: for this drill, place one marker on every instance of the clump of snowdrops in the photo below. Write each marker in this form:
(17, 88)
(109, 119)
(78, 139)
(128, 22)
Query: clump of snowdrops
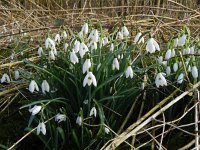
(85, 82)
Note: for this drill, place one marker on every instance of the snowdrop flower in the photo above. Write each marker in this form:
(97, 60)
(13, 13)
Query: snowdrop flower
(176, 42)
(57, 38)
(41, 128)
(164, 63)
(125, 31)
(129, 72)
(45, 87)
(5, 78)
(138, 39)
(111, 47)
(168, 70)
(115, 64)
(80, 34)
(181, 40)
(192, 50)
(194, 72)
(160, 80)
(35, 110)
(40, 51)
(12, 56)
(79, 120)
(173, 53)
(49, 43)
(175, 67)
(105, 41)
(83, 49)
(94, 35)
(86, 66)
(76, 46)
(160, 59)
(85, 28)
(16, 74)
(33, 86)
(52, 55)
(187, 51)
(152, 46)
(119, 36)
(180, 78)
(168, 54)
(64, 35)
(89, 79)
(142, 86)
(73, 57)
(66, 46)
(106, 130)
(60, 117)
(93, 111)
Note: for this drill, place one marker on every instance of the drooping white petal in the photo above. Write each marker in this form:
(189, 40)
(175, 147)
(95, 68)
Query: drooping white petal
(66, 46)
(57, 38)
(52, 55)
(87, 64)
(16, 74)
(119, 36)
(35, 110)
(150, 46)
(93, 111)
(173, 53)
(115, 64)
(168, 54)
(137, 37)
(194, 72)
(175, 42)
(107, 130)
(111, 47)
(60, 117)
(168, 70)
(45, 87)
(89, 79)
(182, 40)
(180, 78)
(40, 51)
(76, 46)
(73, 57)
(125, 31)
(175, 67)
(85, 28)
(41, 128)
(33, 86)
(156, 44)
(5, 78)
(160, 80)
(129, 72)
(79, 120)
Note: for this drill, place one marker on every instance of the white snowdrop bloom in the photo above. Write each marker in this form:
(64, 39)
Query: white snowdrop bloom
(152, 46)
(52, 55)
(192, 50)
(57, 38)
(73, 57)
(168, 54)
(93, 111)
(76, 46)
(160, 80)
(93, 46)
(64, 35)
(89, 79)
(80, 34)
(115, 64)
(175, 67)
(181, 40)
(176, 42)
(45, 87)
(129, 72)
(119, 36)
(83, 49)
(180, 78)
(79, 120)
(137, 37)
(41, 128)
(125, 31)
(86, 66)
(99, 65)
(187, 51)
(173, 53)
(85, 28)
(40, 51)
(107, 131)
(60, 117)
(168, 70)
(12, 56)
(49, 43)
(35, 110)
(194, 72)
(33, 86)
(16, 74)
(122, 56)
(164, 63)
(111, 47)
(5, 78)
(105, 41)
(119, 56)
(94, 35)
(142, 86)
(66, 46)
(160, 59)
